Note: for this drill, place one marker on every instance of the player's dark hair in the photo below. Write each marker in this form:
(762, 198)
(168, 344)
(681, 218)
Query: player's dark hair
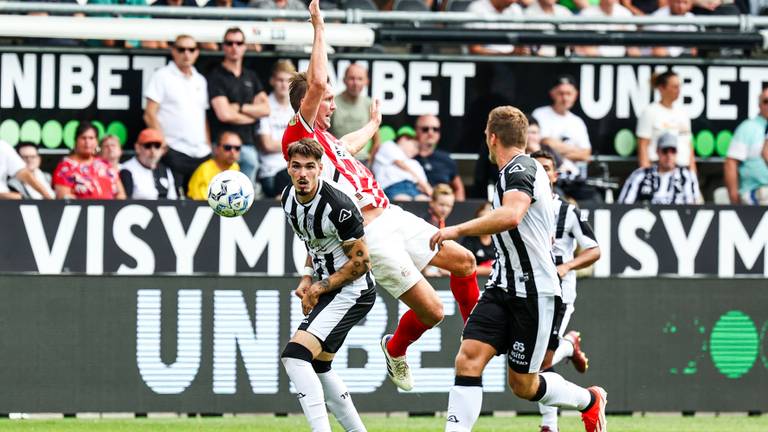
(232, 30)
(297, 89)
(306, 147)
(509, 125)
(545, 154)
(661, 80)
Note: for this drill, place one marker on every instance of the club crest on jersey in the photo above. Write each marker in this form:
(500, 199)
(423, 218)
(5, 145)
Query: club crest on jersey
(344, 214)
(516, 168)
(293, 121)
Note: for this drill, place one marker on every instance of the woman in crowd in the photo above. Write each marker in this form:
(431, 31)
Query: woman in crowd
(482, 246)
(82, 174)
(111, 151)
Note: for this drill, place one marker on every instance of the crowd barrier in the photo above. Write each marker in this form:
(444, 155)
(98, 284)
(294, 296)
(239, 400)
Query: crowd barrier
(210, 344)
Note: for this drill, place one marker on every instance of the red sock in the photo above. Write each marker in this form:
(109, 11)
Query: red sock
(466, 292)
(408, 331)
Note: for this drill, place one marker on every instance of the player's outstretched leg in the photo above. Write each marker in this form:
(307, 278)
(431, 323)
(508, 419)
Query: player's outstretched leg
(461, 263)
(552, 389)
(466, 396)
(426, 312)
(337, 397)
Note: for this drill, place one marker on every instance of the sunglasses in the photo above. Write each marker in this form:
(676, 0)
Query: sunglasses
(182, 50)
(668, 150)
(764, 101)
(234, 43)
(231, 147)
(426, 129)
(152, 145)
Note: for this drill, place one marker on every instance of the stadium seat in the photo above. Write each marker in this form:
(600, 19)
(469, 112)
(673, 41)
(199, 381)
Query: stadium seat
(410, 5)
(458, 5)
(360, 4)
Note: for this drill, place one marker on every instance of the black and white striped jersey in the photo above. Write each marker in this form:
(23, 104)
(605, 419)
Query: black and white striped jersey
(524, 260)
(679, 186)
(571, 229)
(323, 224)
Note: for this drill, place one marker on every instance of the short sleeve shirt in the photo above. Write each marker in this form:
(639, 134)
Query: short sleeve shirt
(657, 120)
(237, 89)
(96, 179)
(746, 147)
(439, 167)
(10, 164)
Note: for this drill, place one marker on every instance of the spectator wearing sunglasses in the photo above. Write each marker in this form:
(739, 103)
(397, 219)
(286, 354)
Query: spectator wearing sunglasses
(238, 100)
(226, 152)
(144, 176)
(746, 165)
(177, 98)
(664, 182)
(437, 164)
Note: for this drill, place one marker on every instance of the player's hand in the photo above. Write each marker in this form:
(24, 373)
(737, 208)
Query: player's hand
(304, 285)
(315, 17)
(562, 270)
(310, 299)
(447, 233)
(376, 111)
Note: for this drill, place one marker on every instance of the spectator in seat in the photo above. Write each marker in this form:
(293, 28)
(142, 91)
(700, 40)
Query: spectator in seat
(144, 176)
(481, 246)
(177, 98)
(437, 164)
(440, 207)
(679, 8)
(225, 156)
(605, 9)
(642, 7)
(566, 134)
(401, 177)
(664, 182)
(661, 117)
(110, 150)
(272, 127)
(238, 100)
(83, 174)
(353, 108)
(22, 173)
(543, 8)
(491, 8)
(746, 165)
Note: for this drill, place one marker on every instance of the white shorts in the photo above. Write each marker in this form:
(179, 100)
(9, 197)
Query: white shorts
(398, 243)
(569, 308)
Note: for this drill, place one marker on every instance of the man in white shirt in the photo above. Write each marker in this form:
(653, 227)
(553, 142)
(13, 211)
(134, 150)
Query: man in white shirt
(144, 176)
(12, 166)
(608, 8)
(177, 99)
(542, 8)
(681, 8)
(272, 127)
(495, 8)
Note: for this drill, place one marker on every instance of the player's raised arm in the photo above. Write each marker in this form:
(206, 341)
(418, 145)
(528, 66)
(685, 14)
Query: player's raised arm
(317, 75)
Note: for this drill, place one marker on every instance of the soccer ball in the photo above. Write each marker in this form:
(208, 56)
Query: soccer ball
(230, 193)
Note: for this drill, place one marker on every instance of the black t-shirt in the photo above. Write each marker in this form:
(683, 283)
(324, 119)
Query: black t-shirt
(439, 167)
(242, 89)
(481, 252)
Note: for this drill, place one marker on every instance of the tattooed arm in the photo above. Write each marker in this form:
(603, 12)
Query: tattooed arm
(358, 265)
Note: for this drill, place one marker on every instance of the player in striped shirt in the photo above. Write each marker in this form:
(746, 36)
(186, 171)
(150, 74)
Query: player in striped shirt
(398, 241)
(515, 314)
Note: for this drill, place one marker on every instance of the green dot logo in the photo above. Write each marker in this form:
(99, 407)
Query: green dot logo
(734, 344)
(9, 132)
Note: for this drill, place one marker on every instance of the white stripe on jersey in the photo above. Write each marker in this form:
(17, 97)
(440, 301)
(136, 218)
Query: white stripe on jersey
(571, 229)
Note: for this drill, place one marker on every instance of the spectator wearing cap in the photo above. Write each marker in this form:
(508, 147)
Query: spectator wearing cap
(401, 177)
(177, 99)
(664, 182)
(353, 108)
(20, 174)
(144, 176)
(566, 133)
(83, 174)
(746, 165)
(271, 128)
(437, 164)
(225, 155)
(238, 100)
(110, 150)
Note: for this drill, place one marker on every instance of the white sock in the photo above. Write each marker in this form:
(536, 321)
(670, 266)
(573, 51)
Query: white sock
(564, 394)
(548, 416)
(309, 392)
(464, 403)
(340, 402)
(564, 350)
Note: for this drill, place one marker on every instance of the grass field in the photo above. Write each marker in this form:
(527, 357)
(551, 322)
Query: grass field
(389, 424)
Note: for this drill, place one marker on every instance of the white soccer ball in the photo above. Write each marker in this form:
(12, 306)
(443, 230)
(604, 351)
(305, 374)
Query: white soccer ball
(230, 193)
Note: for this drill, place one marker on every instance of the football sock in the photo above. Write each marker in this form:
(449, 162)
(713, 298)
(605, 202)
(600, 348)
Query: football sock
(555, 391)
(466, 292)
(337, 397)
(408, 331)
(297, 362)
(464, 402)
(564, 350)
(548, 416)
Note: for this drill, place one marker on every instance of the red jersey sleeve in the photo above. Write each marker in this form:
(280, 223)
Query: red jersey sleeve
(296, 130)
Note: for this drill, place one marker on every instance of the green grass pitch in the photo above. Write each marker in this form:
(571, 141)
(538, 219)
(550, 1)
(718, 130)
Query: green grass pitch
(654, 423)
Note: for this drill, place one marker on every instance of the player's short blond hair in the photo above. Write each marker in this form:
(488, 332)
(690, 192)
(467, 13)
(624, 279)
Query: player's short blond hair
(441, 189)
(510, 126)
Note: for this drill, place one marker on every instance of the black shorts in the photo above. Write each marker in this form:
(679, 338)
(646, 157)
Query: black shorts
(554, 337)
(515, 326)
(336, 313)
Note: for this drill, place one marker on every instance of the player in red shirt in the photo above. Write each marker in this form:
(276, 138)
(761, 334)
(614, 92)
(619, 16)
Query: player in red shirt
(398, 241)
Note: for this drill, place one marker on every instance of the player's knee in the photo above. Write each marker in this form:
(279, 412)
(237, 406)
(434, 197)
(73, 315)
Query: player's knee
(468, 264)
(523, 389)
(468, 364)
(432, 314)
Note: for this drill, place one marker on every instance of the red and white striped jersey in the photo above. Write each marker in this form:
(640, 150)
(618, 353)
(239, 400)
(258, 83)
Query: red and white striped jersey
(339, 165)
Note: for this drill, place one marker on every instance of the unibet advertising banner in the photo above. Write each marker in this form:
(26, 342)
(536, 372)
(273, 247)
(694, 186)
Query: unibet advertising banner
(212, 345)
(185, 237)
(44, 93)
